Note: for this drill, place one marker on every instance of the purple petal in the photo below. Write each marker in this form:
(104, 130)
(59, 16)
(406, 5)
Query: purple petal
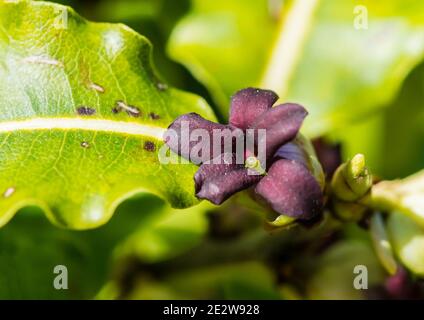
(282, 123)
(329, 155)
(291, 151)
(217, 182)
(248, 104)
(191, 136)
(291, 190)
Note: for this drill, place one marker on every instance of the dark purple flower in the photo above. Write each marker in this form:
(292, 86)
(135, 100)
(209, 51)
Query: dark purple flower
(285, 180)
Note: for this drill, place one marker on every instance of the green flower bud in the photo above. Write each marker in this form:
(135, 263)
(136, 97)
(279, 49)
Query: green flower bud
(253, 163)
(407, 238)
(352, 180)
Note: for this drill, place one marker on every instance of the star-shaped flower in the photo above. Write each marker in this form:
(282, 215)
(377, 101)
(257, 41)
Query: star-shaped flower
(285, 178)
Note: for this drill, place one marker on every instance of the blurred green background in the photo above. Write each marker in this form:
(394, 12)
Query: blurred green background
(364, 88)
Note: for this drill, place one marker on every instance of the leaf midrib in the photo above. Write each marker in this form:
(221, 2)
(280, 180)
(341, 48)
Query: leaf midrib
(104, 125)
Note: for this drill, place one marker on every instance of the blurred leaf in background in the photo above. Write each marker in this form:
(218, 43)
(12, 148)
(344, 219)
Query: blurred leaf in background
(333, 279)
(246, 280)
(392, 139)
(224, 44)
(166, 235)
(30, 247)
(403, 151)
(341, 73)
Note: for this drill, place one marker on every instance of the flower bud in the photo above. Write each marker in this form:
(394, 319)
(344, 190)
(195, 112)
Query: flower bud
(352, 180)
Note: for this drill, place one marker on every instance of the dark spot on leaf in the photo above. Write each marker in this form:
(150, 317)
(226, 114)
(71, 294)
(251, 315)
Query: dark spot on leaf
(85, 144)
(154, 116)
(149, 146)
(86, 111)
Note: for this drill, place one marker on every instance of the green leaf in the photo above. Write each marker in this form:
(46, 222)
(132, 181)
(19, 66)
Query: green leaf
(166, 235)
(356, 71)
(408, 241)
(30, 247)
(28, 259)
(223, 45)
(334, 275)
(224, 281)
(403, 195)
(396, 131)
(315, 56)
(78, 168)
(404, 145)
(154, 19)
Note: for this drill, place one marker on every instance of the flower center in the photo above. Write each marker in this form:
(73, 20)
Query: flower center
(253, 163)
